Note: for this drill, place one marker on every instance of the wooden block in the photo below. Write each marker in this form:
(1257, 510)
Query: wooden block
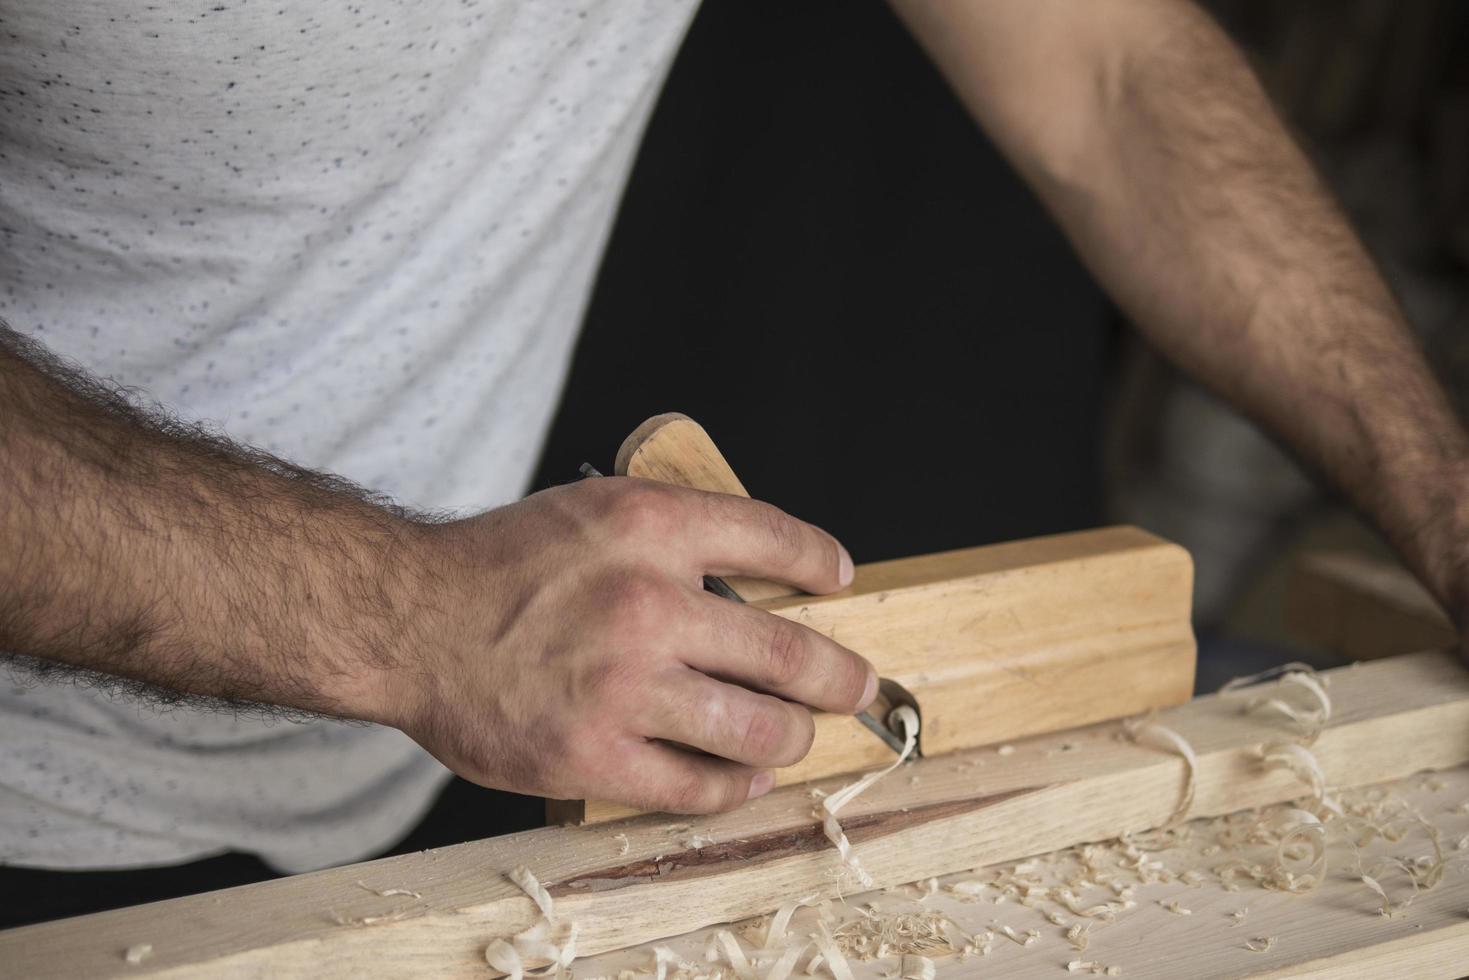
(1001, 641)
(1392, 718)
(1362, 608)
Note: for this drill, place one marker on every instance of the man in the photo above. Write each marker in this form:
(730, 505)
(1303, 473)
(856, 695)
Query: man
(360, 241)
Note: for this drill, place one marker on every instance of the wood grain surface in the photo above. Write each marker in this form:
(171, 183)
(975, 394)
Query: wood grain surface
(648, 878)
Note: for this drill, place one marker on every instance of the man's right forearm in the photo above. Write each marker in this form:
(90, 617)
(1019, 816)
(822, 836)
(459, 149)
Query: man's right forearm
(561, 645)
(146, 549)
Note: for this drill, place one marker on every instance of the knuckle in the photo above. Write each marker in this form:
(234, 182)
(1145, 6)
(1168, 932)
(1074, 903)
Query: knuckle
(733, 791)
(643, 508)
(606, 681)
(762, 735)
(687, 793)
(786, 654)
(637, 605)
(771, 736)
(787, 542)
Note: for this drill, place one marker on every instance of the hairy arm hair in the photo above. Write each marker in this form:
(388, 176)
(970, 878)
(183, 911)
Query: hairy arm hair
(1146, 134)
(152, 556)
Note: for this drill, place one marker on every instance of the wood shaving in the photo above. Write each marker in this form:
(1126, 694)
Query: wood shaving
(916, 968)
(387, 892)
(836, 963)
(787, 962)
(663, 958)
(968, 888)
(1238, 915)
(1005, 750)
(1164, 739)
(1299, 761)
(908, 721)
(1261, 944)
(1077, 936)
(1030, 936)
(775, 933)
(1096, 969)
(374, 920)
(1171, 905)
(736, 956)
(547, 942)
(623, 844)
(1298, 683)
(136, 954)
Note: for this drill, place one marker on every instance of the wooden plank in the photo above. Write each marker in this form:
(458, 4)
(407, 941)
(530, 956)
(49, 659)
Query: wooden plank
(1333, 931)
(1002, 641)
(978, 807)
(1362, 608)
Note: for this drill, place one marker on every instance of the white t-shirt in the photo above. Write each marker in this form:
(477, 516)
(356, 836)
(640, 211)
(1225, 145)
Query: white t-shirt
(360, 236)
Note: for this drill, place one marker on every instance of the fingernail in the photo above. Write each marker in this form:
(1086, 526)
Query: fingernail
(870, 691)
(761, 784)
(845, 571)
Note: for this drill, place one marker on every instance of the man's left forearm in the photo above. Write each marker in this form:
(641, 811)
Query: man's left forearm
(1189, 201)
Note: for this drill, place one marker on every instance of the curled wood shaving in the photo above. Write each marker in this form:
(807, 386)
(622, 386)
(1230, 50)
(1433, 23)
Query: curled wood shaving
(735, 955)
(1299, 761)
(776, 932)
(787, 962)
(908, 720)
(136, 954)
(1164, 739)
(387, 892)
(374, 920)
(1171, 905)
(663, 958)
(1077, 936)
(547, 942)
(1096, 969)
(623, 844)
(1238, 915)
(1298, 683)
(836, 963)
(1260, 944)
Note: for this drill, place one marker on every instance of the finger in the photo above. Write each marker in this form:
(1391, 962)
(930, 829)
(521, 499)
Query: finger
(678, 781)
(762, 651)
(750, 537)
(728, 720)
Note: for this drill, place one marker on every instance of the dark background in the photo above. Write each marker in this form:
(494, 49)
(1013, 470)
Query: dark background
(823, 260)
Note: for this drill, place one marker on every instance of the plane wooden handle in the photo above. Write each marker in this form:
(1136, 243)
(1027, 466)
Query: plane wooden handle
(673, 448)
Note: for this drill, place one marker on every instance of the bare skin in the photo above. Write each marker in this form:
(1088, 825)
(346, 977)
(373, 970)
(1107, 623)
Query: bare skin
(558, 646)
(1145, 133)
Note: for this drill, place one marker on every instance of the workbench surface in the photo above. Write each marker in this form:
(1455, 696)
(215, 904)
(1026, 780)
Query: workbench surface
(1335, 931)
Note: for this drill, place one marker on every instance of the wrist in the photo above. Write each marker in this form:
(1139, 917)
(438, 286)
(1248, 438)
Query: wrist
(381, 588)
(1434, 541)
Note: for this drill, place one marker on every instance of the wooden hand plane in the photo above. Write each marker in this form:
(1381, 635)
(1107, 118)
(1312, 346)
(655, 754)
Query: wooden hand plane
(989, 643)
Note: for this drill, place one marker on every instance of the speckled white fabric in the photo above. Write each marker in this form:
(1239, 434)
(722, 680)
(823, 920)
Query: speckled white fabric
(359, 235)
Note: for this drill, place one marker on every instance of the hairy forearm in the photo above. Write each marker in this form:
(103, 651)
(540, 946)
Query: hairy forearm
(1159, 153)
(1212, 230)
(142, 548)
